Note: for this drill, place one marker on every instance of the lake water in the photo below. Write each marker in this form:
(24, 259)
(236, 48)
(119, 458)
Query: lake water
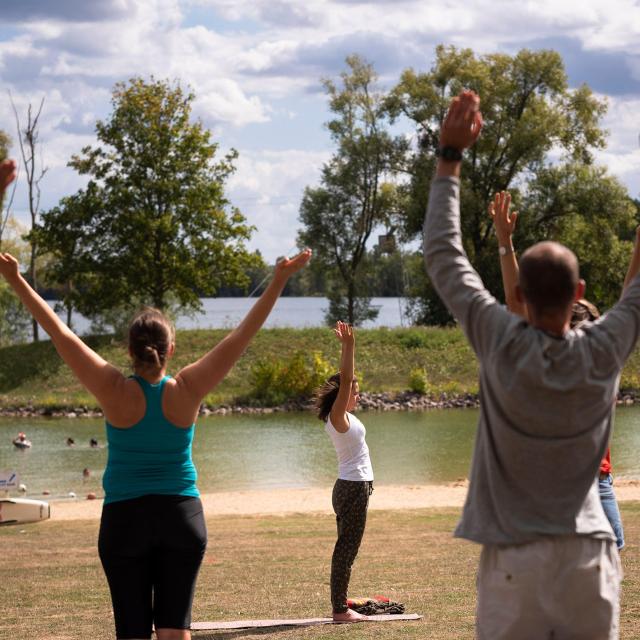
(220, 313)
(280, 450)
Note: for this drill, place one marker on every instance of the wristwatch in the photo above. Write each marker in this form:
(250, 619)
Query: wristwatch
(505, 251)
(450, 154)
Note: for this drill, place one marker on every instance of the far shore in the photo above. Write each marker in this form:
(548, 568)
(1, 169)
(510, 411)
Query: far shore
(316, 500)
(384, 401)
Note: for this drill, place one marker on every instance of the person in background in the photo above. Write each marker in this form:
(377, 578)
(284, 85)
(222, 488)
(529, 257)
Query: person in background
(335, 401)
(549, 565)
(504, 220)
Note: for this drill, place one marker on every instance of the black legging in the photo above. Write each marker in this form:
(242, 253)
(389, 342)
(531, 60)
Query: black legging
(151, 549)
(350, 501)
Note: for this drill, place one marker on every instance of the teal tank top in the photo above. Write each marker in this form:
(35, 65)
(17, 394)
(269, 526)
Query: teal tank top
(151, 457)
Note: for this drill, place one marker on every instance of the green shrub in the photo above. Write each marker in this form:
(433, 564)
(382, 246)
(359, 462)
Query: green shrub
(452, 388)
(414, 340)
(274, 381)
(629, 380)
(418, 382)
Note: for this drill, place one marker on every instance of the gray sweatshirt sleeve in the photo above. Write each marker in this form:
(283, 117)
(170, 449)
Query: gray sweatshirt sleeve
(482, 318)
(621, 324)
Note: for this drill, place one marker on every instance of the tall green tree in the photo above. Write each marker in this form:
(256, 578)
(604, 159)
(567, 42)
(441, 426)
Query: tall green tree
(15, 320)
(528, 111)
(153, 225)
(356, 193)
(67, 234)
(589, 211)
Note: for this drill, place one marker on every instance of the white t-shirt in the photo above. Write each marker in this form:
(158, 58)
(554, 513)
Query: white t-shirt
(354, 462)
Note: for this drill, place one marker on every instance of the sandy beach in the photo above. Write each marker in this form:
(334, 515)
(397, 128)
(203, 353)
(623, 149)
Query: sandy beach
(282, 501)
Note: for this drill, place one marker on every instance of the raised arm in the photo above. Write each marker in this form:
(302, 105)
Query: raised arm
(634, 264)
(197, 379)
(622, 321)
(448, 266)
(8, 172)
(504, 221)
(96, 374)
(338, 415)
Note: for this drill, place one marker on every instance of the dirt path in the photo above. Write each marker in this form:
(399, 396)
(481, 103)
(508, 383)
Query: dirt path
(280, 501)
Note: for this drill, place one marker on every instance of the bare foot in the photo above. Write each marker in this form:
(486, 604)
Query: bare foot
(348, 616)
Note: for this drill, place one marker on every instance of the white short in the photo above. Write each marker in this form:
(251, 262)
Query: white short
(559, 588)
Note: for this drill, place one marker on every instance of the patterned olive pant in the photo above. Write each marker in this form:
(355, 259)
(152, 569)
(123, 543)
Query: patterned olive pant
(350, 501)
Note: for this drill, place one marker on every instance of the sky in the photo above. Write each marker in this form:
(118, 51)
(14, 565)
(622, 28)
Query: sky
(256, 66)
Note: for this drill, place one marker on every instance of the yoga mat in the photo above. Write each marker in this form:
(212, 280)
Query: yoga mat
(296, 622)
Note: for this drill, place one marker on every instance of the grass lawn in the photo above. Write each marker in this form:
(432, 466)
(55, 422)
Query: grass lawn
(33, 374)
(52, 584)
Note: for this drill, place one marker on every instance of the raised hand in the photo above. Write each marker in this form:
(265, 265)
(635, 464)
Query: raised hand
(8, 172)
(504, 220)
(286, 267)
(634, 264)
(344, 333)
(8, 266)
(463, 122)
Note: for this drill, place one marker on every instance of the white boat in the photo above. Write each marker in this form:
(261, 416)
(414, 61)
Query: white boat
(22, 510)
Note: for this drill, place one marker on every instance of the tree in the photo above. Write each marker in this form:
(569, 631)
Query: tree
(15, 320)
(589, 211)
(528, 111)
(153, 225)
(66, 233)
(29, 138)
(355, 194)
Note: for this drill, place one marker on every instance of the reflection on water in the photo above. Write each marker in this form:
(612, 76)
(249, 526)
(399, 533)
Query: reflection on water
(279, 450)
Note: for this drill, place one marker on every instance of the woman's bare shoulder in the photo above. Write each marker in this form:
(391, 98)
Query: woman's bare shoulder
(177, 404)
(127, 405)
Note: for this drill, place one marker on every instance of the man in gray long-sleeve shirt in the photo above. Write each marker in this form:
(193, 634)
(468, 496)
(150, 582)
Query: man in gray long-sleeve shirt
(549, 567)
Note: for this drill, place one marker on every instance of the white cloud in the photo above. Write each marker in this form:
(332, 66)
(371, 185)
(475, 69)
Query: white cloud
(267, 187)
(224, 101)
(269, 56)
(622, 155)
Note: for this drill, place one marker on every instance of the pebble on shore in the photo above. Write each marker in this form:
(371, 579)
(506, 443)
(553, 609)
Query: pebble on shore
(385, 401)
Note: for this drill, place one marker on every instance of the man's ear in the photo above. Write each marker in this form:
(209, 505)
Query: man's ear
(172, 349)
(581, 287)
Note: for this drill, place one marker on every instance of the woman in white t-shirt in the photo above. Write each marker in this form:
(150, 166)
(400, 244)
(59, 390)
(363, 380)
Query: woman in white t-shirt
(334, 401)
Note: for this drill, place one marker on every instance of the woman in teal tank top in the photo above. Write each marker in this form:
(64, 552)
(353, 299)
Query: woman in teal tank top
(152, 531)
(151, 457)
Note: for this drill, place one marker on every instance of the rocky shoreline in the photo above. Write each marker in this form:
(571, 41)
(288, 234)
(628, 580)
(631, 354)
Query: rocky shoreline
(401, 401)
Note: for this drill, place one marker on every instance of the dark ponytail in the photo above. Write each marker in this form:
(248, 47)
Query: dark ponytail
(151, 335)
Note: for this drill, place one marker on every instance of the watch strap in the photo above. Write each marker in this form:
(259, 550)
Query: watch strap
(451, 154)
